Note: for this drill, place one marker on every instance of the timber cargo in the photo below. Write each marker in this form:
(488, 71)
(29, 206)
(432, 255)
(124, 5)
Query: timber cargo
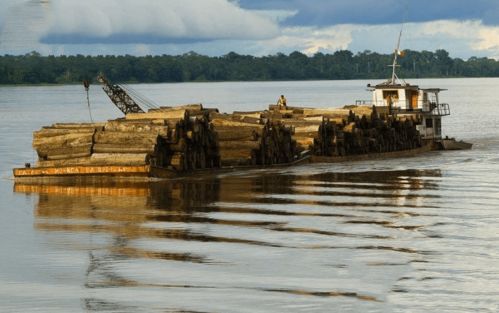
(164, 142)
(169, 142)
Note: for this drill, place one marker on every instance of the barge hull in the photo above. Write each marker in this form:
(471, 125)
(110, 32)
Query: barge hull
(87, 174)
(90, 173)
(370, 156)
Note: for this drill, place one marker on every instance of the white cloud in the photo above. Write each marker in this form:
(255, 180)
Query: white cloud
(450, 28)
(308, 40)
(222, 26)
(191, 19)
(461, 38)
(478, 37)
(489, 39)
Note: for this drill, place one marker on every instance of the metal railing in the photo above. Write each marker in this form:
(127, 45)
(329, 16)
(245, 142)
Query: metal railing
(363, 102)
(440, 109)
(435, 109)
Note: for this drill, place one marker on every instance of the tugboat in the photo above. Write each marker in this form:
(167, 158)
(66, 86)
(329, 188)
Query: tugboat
(397, 98)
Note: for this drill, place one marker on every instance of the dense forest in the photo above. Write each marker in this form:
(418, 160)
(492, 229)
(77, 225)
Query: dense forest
(34, 68)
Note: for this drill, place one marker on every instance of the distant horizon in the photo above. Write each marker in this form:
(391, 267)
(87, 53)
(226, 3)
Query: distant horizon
(240, 54)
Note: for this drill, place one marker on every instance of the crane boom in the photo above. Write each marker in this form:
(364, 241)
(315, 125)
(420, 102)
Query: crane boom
(119, 97)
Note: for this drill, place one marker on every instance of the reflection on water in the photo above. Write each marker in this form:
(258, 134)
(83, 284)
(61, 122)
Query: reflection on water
(255, 233)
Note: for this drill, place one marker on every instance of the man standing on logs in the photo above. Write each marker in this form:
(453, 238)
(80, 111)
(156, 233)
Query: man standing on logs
(281, 103)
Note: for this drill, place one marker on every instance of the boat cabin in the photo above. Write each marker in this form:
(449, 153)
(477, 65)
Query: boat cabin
(410, 101)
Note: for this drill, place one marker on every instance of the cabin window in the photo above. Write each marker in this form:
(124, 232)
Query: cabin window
(429, 123)
(390, 93)
(391, 97)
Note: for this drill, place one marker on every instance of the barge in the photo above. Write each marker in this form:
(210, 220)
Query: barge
(399, 120)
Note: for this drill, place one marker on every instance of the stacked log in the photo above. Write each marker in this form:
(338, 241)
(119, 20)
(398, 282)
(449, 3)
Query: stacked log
(187, 141)
(180, 138)
(238, 141)
(65, 141)
(330, 140)
(277, 145)
(128, 146)
(383, 134)
(192, 145)
(347, 131)
(247, 139)
(191, 137)
(313, 128)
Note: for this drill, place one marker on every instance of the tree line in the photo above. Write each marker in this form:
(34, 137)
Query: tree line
(33, 68)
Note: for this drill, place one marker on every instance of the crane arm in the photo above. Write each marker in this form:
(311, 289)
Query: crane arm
(119, 97)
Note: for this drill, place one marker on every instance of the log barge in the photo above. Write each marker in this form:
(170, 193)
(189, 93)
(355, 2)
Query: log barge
(165, 142)
(176, 141)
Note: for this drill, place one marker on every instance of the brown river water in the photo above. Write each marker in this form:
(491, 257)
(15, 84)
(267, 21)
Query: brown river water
(417, 234)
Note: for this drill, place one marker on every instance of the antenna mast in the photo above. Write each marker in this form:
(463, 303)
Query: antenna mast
(395, 56)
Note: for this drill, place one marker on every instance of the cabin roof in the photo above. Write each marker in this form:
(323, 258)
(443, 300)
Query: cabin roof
(435, 90)
(394, 86)
(406, 86)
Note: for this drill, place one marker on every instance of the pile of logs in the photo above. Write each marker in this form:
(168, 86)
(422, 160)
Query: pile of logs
(348, 131)
(65, 143)
(244, 138)
(191, 137)
(180, 137)
(313, 128)
(185, 140)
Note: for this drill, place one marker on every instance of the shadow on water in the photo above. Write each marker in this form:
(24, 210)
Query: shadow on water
(260, 210)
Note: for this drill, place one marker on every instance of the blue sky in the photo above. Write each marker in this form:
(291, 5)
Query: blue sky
(257, 27)
(325, 13)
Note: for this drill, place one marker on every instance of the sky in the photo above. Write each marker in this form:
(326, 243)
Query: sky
(255, 27)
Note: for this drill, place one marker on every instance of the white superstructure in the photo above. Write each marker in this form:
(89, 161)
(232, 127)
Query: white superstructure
(397, 98)
(410, 101)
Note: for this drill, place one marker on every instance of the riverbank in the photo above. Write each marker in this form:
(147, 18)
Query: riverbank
(34, 68)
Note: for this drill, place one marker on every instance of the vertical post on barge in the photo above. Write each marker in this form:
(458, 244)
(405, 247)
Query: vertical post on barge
(86, 84)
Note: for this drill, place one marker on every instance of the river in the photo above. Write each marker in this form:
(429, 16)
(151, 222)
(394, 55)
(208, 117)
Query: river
(415, 234)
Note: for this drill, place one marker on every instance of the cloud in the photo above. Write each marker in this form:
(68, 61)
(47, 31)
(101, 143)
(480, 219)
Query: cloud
(479, 37)
(461, 38)
(489, 40)
(5, 7)
(22, 25)
(155, 21)
(308, 40)
(257, 27)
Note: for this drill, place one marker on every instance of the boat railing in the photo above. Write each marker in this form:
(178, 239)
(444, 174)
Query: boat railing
(378, 103)
(398, 106)
(439, 109)
(364, 102)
